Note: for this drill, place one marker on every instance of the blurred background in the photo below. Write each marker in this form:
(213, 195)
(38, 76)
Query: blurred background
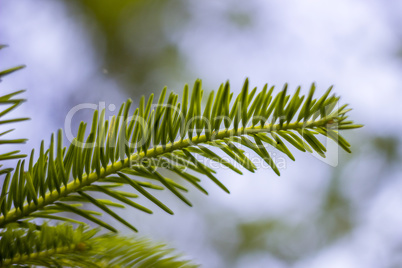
(315, 214)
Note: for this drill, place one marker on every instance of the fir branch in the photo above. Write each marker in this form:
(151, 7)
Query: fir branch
(128, 146)
(10, 103)
(65, 246)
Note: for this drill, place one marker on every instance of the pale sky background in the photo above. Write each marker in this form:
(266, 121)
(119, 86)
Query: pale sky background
(352, 45)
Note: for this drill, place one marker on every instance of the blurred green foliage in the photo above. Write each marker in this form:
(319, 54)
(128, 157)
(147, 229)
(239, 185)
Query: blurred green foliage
(335, 217)
(135, 40)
